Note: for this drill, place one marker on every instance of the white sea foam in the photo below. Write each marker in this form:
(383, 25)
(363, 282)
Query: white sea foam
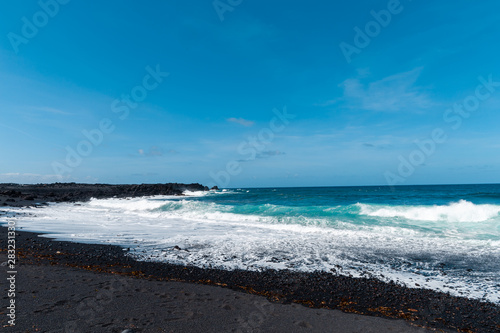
(216, 236)
(133, 205)
(462, 211)
(195, 193)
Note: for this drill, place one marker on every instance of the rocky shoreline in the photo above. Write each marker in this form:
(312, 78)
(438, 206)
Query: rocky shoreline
(16, 195)
(420, 307)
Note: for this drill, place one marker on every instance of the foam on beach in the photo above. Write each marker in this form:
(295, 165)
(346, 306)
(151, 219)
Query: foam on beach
(452, 248)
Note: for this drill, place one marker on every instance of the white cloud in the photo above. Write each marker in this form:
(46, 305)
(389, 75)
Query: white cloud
(51, 110)
(241, 121)
(155, 151)
(393, 93)
(269, 153)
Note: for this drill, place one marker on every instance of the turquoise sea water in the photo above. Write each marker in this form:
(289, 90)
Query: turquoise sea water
(463, 211)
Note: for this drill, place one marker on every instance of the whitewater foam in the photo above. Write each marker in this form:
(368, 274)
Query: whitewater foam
(462, 211)
(362, 239)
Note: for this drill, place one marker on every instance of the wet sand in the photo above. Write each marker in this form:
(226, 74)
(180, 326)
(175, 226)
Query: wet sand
(64, 299)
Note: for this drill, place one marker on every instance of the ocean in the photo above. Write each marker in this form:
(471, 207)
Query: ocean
(445, 238)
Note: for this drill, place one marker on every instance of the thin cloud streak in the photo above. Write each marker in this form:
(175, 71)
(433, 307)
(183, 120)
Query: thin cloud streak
(397, 92)
(241, 121)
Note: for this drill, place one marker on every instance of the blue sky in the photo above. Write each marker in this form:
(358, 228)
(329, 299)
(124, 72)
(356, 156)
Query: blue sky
(211, 120)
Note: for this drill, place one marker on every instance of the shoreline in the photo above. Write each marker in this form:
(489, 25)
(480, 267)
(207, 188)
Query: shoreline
(16, 195)
(368, 297)
(58, 298)
(371, 298)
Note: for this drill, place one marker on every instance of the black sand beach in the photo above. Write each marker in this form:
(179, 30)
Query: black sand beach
(71, 287)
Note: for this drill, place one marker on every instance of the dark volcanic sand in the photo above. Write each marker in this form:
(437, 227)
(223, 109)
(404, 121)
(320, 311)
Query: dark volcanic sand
(64, 299)
(151, 300)
(71, 287)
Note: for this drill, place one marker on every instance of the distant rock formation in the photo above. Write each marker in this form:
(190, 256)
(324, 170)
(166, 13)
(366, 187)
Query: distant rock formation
(23, 195)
